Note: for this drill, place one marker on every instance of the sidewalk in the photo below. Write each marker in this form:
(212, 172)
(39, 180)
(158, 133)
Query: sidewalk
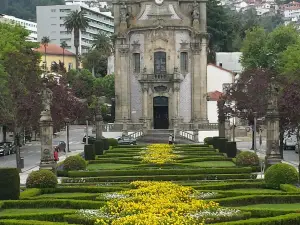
(62, 157)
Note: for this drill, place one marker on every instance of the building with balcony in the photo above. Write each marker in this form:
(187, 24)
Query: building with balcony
(31, 27)
(50, 22)
(160, 62)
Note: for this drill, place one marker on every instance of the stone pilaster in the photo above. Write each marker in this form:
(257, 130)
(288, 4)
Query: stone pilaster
(122, 84)
(203, 17)
(203, 81)
(196, 83)
(99, 126)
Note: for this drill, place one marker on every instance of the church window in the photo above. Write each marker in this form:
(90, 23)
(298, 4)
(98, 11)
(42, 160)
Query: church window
(184, 61)
(160, 63)
(136, 62)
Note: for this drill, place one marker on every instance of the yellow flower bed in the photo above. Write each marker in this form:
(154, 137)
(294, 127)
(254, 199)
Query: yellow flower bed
(155, 203)
(159, 154)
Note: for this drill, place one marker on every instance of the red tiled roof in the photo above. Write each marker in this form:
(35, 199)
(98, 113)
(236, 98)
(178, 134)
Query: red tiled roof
(221, 68)
(214, 96)
(53, 49)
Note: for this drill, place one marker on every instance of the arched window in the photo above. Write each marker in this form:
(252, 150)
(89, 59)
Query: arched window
(160, 63)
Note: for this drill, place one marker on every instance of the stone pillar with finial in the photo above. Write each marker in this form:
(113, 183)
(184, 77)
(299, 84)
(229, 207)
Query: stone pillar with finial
(99, 119)
(46, 131)
(273, 153)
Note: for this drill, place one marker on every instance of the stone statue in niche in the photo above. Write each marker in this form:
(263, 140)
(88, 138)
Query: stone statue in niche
(196, 11)
(123, 13)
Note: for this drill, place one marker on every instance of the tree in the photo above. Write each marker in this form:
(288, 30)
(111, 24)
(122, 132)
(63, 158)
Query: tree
(262, 50)
(104, 86)
(82, 85)
(76, 21)
(63, 45)
(96, 59)
(45, 41)
(289, 62)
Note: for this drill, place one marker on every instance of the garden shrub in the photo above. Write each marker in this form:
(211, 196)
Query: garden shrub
(208, 140)
(74, 163)
(215, 142)
(31, 192)
(247, 158)
(79, 219)
(89, 152)
(30, 222)
(98, 146)
(281, 173)
(105, 144)
(222, 144)
(289, 188)
(231, 149)
(112, 142)
(9, 184)
(41, 179)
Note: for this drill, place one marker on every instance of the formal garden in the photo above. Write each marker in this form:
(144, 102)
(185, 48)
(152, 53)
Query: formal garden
(154, 184)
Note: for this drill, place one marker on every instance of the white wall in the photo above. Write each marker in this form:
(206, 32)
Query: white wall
(212, 111)
(230, 61)
(216, 77)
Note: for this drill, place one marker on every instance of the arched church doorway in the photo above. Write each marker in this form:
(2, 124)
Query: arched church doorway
(161, 112)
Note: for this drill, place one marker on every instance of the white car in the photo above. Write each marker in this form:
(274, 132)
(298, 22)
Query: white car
(290, 142)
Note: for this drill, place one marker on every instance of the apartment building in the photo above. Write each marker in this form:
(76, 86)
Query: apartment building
(50, 22)
(28, 25)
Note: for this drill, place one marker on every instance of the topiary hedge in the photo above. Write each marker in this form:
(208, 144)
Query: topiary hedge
(281, 174)
(222, 144)
(41, 179)
(215, 142)
(105, 143)
(112, 142)
(89, 152)
(74, 163)
(247, 158)
(231, 149)
(208, 140)
(9, 184)
(98, 146)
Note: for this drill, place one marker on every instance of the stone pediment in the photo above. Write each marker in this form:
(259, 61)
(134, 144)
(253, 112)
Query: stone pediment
(153, 11)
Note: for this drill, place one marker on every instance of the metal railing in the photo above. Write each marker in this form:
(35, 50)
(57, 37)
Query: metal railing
(187, 135)
(137, 134)
(154, 77)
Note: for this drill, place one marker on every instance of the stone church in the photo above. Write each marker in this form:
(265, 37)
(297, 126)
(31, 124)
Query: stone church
(160, 62)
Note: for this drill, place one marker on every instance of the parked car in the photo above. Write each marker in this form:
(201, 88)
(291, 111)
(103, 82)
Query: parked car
(289, 142)
(4, 148)
(90, 138)
(61, 146)
(126, 140)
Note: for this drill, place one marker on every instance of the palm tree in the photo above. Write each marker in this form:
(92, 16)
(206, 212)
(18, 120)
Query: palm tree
(102, 42)
(45, 41)
(63, 45)
(76, 21)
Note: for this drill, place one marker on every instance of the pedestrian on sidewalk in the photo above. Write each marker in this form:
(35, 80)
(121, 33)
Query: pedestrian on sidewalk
(56, 154)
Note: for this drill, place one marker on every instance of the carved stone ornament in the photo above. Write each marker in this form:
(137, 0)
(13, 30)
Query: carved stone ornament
(46, 98)
(161, 88)
(123, 12)
(123, 51)
(196, 11)
(196, 47)
(184, 44)
(46, 151)
(136, 45)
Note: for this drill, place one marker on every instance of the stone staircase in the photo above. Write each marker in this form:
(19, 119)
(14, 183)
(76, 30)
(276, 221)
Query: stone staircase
(162, 136)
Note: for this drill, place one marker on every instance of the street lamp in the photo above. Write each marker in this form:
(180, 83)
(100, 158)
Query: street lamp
(87, 131)
(67, 121)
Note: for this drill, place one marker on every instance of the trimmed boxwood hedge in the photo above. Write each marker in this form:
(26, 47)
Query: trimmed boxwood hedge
(112, 142)
(222, 144)
(85, 189)
(215, 142)
(89, 152)
(293, 219)
(105, 144)
(157, 178)
(30, 222)
(231, 149)
(9, 184)
(258, 199)
(289, 188)
(52, 203)
(99, 147)
(78, 219)
(140, 172)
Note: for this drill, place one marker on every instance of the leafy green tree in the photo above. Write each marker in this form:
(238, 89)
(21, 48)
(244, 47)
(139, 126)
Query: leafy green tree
(263, 50)
(76, 21)
(96, 59)
(289, 62)
(104, 86)
(82, 85)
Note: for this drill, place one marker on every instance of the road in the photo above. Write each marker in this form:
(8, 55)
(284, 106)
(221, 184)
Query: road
(288, 155)
(32, 151)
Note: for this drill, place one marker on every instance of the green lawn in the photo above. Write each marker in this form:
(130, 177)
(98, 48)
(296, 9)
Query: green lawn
(5, 212)
(108, 166)
(211, 164)
(280, 207)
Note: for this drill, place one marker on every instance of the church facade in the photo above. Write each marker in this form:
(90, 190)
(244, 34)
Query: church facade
(160, 62)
